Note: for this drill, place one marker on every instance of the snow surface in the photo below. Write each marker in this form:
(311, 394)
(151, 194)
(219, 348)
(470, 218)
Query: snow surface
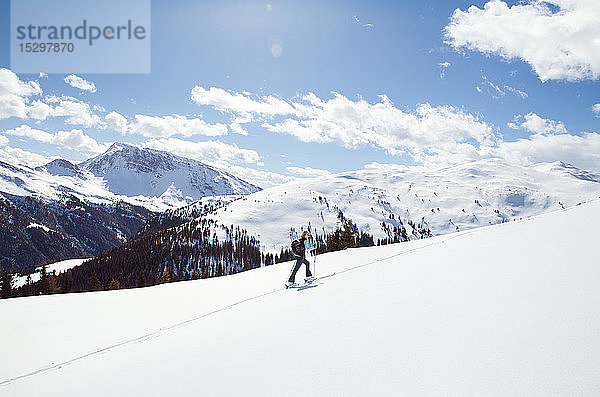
(60, 266)
(460, 197)
(510, 309)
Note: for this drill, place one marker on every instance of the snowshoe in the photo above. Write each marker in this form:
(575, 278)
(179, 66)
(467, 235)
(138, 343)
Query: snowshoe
(290, 284)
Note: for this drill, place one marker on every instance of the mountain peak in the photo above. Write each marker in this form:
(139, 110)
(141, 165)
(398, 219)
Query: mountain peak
(132, 171)
(119, 146)
(61, 167)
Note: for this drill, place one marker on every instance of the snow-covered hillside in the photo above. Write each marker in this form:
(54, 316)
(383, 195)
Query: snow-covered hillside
(508, 310)
(445, 200)
(130, 171)
(60, 266)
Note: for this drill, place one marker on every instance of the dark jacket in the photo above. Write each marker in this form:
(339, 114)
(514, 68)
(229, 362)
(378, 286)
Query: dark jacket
(298, 248)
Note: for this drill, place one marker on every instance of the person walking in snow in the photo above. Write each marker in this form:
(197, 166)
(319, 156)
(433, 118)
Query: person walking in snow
(299, 248)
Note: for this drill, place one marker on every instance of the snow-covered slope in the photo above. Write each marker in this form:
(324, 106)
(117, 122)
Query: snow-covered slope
(131, 171)
(60, 266)
(59, 177)
(505, 310)
(445, 200)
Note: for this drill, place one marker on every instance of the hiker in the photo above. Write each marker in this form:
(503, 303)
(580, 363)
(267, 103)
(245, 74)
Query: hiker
(299, 248)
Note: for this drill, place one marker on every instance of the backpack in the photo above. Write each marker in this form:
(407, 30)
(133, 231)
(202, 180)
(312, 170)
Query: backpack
(297, 247)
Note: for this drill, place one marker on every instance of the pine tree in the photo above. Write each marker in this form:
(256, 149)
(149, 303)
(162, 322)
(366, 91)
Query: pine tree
(44, 281)
(94, 283)
(69, 285)
(167, 275)
(141, 281)
(348, 235)
(114, 284)
(6, 287)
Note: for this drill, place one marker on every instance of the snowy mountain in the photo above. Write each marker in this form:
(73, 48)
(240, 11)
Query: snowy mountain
(34, 231)
(84, 209)
(384, 200)
(131, 171)
(507, 310)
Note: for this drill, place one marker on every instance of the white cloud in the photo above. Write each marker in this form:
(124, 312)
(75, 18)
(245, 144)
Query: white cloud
(307, 171)
(355, 124)
(357, 21)
(3, 140)
(205, 151)
(582, 151)
(166, 126)
(239, 103)
(533, 123)
(443, 66)
(516, 91)
(43, 75)
(259, 178)
(82, 84)
(497, 91)
(596, 109)
(19, 156)
(75, 112)
(558, 45)
(77, 140)
(14, 94)
(116, 121)
(31, 133)
(78, 113)
(236, 124)
(74, 139)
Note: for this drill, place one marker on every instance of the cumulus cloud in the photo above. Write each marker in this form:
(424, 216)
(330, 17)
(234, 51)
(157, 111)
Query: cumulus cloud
(205, 151)
(74, 139)
(596, 109)
(166, 126)
(3, 140)
(116, 122)
(81, 83)
(550, 141)
(75, 112)
(240, 103)
(559, 45)
(307, 171)
(582, 151)
(355, 124)
(15, 101)
(261, 178)
(14, 94)
(533, 123)
(77, 140)
(14, 155)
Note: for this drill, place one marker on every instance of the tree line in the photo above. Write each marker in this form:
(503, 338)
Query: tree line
(190, 251)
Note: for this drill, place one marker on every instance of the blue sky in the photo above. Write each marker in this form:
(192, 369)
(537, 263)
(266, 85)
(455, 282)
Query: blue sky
(255, 52)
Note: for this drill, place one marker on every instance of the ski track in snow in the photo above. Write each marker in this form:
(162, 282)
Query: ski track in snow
(162, 330)
(242, 303)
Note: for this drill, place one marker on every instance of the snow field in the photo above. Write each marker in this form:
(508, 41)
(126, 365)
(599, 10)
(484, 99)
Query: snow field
(509, 309)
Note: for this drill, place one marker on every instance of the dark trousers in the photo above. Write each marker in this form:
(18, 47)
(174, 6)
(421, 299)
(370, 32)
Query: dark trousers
(299, 261)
